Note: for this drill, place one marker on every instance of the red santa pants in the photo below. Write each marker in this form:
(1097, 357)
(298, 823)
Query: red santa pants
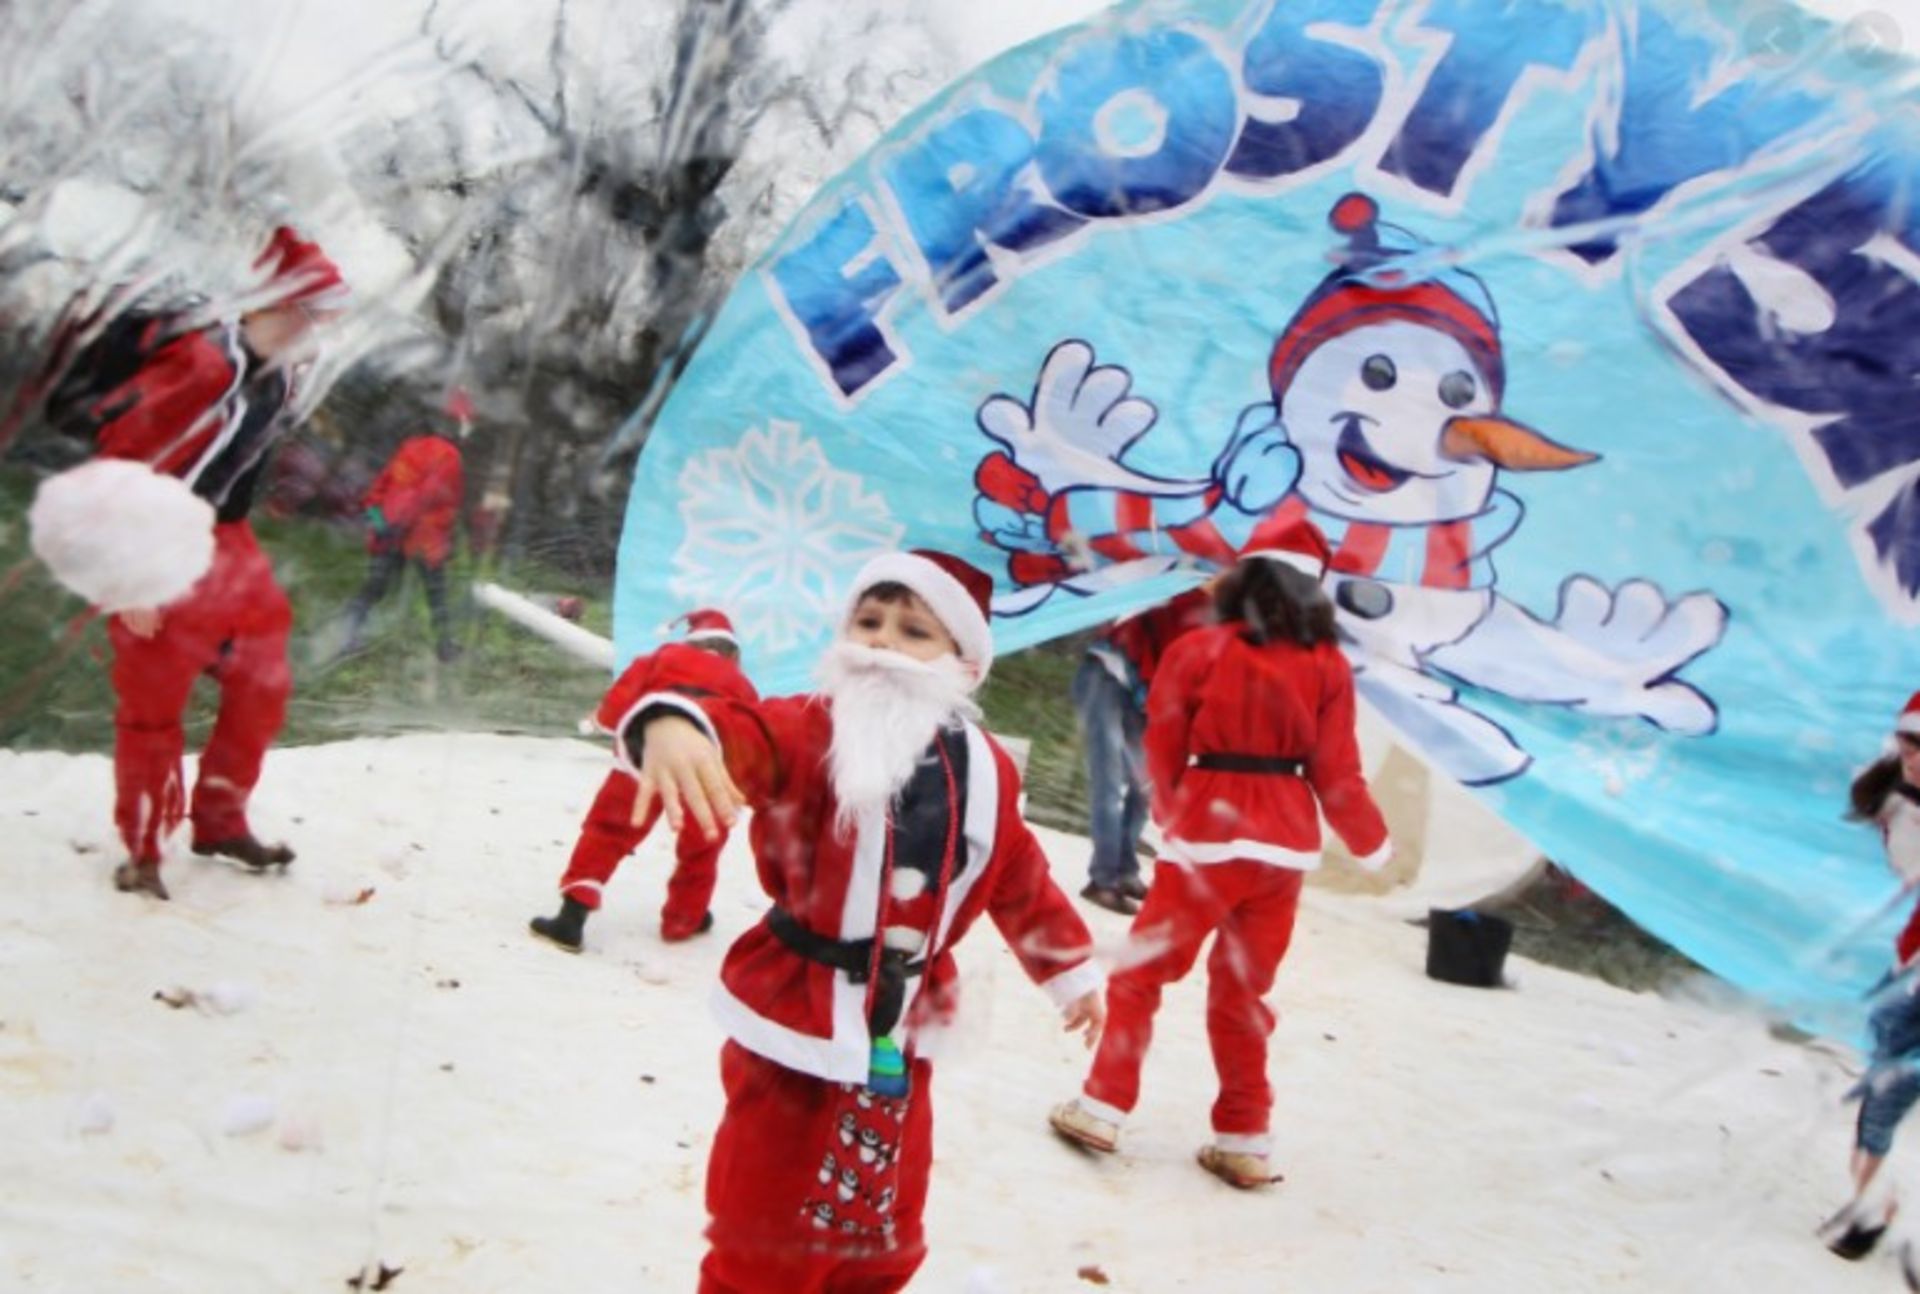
(762, 1170)
(608, 835)
(1251, 906)
(232, 625)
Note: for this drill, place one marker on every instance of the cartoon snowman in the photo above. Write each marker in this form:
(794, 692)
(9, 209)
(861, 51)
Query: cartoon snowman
(1387, 430)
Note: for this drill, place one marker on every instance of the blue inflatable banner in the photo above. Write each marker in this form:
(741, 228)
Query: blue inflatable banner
(1588, 332)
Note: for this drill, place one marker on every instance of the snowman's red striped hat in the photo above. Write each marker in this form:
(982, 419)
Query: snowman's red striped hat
(1360, 293)
(1909, 720)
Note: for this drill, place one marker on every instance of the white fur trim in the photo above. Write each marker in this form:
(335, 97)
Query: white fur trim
(671, 700)
(1235, 1143)
(944, 595)
(1074, 983)
(711, 636)
(843, 1058)
(1909, 723)
(1202, 852)
(1101, 1110)
(1379, 858)
(122, 535)
(571, 886)
(1287, 557)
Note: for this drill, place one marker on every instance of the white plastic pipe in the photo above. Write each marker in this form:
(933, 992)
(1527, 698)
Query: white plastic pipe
(570, 638)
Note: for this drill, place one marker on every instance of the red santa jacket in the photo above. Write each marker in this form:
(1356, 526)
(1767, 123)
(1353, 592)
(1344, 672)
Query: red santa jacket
(197, 407)
(811, 1017)
(694, 670)
(1218, 693)
(419, 493)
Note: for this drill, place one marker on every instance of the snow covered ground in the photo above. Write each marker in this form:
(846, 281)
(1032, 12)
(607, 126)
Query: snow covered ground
(380, 1066)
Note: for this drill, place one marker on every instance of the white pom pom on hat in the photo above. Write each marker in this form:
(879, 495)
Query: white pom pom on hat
(120, 534)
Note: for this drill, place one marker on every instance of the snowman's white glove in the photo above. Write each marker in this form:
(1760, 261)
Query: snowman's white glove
(1643, 641)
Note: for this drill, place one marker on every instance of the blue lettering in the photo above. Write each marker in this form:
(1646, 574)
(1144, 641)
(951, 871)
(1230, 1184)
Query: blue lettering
(1136, 122)
(1664, 138)
(840, 311)
(1474, 79)
(1862, 370)
(1334, 90)
(959, 189)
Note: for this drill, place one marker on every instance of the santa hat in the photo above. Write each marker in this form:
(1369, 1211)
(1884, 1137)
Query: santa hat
(1909, 720)
(959, 594)
(1367, 290)
(1291, 541)
(299, 273)
(709, 626)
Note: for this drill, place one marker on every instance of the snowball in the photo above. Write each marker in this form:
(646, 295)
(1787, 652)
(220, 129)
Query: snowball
(93, 1115)
(227, 997)
(121, 535)
(247, 1114)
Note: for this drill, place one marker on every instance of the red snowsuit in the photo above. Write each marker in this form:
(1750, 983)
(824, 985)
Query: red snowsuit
(816, 1182)
(418, 492)
(1239, 839)
(609, 834)
(195, 410)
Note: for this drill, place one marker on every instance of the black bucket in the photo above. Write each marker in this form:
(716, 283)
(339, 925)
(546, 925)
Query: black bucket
(1467, 947)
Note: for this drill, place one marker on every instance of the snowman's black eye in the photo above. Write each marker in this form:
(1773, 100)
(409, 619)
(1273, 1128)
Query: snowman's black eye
(1378, 373)
(1457, 390)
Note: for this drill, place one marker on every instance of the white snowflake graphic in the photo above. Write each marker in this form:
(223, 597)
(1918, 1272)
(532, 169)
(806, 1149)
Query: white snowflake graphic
(774, 531)
(1622, 754)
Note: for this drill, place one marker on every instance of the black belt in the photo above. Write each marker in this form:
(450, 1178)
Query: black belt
(855, 957)
(1225, 761)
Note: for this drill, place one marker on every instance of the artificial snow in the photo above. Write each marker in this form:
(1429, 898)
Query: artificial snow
(416, 1082)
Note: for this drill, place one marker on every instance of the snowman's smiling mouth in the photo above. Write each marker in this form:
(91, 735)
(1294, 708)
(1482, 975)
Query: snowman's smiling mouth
(1367, 469)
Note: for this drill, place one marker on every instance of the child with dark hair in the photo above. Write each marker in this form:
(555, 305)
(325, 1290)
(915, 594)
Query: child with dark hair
(1887, 794)
(1250, 737)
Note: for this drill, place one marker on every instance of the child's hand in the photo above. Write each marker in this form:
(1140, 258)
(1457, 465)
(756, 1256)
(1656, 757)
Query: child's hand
(682, 768)
(1088, 1013)
(143, 622)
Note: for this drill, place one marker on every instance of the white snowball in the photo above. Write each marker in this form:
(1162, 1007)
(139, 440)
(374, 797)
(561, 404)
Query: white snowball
(121, 535)
(94, 1115)
(247, 1114)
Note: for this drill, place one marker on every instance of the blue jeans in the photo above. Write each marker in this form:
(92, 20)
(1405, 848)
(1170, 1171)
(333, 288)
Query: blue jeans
(1111, 724)
(1891, 1085)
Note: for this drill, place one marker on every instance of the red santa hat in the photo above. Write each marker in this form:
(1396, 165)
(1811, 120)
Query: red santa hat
(709, 626)
(299, 273)
(1367, 290)
(1909, 720)
(1291, 541)
(961, 595)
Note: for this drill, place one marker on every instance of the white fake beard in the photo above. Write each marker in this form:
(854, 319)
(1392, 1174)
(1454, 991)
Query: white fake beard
(886, 710)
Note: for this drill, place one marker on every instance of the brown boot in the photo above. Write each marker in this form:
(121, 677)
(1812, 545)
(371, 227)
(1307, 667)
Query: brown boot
(1073, 1122)
(248, 850)
(140, 878)
(1106, 896)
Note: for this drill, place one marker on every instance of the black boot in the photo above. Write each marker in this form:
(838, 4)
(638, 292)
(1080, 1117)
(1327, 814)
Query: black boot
(566, 928)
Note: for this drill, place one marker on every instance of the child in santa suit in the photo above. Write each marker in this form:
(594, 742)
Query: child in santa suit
(885, 823)
(411, 508)
(1887, 794)
(204, 405)
(703, 658)
(1250, 738)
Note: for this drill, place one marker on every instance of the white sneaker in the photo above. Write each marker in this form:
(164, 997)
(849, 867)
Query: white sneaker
(1077, 1124)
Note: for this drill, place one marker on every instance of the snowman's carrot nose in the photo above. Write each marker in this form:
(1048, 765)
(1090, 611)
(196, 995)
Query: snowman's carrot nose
(1509, 445)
